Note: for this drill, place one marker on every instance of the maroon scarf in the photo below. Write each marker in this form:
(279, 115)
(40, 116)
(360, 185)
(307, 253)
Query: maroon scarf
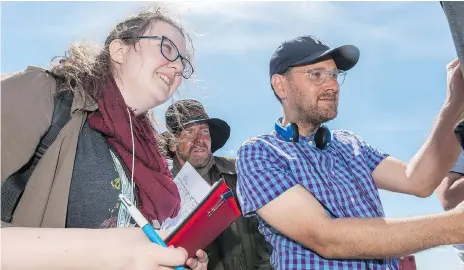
(159, 196)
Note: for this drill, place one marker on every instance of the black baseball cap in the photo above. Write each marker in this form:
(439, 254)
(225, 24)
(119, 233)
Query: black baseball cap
(306, 50)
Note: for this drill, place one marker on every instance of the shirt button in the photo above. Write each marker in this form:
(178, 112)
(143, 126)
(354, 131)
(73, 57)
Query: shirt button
(352, 200)
(310, 143)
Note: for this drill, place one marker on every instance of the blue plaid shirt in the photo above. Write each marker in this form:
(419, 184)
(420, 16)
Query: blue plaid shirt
(339, 177)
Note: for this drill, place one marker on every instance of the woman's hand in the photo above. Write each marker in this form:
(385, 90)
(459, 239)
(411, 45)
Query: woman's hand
(200, 262)
(121, 248)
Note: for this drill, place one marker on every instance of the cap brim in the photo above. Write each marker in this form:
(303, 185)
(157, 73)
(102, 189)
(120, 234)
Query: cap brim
(345, 57)
(219, 131)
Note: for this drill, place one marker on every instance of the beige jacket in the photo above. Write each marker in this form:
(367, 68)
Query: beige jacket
(27, 108)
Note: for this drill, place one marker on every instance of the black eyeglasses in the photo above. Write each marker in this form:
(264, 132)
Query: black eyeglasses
(319, 75)
(170, 51)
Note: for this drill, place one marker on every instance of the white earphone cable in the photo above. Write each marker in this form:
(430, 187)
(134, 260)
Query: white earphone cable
(133, 155)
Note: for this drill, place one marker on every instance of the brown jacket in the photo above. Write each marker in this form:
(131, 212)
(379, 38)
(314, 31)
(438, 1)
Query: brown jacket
(241, 246)
(27, 108)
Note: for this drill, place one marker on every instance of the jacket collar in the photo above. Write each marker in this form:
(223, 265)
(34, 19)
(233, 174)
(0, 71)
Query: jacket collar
(225, 165)
(83, 102)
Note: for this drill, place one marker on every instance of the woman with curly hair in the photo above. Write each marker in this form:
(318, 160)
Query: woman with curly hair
(69, 215)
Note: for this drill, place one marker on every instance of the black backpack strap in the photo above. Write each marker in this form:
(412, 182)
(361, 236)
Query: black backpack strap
(13, 187)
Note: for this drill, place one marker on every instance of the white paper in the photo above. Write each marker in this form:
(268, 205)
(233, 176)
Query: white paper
(192, 189)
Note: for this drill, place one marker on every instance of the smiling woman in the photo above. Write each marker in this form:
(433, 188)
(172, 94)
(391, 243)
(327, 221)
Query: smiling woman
(131, 48)
(79, 135)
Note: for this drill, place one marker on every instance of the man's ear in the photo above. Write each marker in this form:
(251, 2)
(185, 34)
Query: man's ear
(278, 83)
(118, 51)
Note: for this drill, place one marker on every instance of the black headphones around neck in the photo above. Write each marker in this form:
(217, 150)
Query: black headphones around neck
(290, 133)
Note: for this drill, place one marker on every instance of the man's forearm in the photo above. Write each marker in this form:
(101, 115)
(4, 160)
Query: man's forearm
(374, 238)
(437, 155)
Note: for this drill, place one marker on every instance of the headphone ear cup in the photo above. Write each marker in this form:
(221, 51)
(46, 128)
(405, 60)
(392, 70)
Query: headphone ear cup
(289, 133)
(322, 137)
(295, 132)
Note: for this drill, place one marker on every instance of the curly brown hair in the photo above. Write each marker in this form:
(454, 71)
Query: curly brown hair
(89, 67)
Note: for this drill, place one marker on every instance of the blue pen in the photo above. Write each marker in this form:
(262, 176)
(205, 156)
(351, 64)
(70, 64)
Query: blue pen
(144, 224)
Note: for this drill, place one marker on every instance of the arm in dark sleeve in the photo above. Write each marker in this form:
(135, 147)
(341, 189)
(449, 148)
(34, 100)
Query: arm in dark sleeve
(454, 11)
(263, 248)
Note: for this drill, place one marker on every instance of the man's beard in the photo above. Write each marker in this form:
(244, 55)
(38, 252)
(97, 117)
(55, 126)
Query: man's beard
(196, 162)
(312, 114)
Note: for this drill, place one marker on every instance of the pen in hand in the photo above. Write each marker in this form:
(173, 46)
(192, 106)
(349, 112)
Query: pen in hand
(143, 223)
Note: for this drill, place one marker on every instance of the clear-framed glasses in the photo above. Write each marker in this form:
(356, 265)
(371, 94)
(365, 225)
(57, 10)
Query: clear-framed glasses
(318, 76)
(170, 51)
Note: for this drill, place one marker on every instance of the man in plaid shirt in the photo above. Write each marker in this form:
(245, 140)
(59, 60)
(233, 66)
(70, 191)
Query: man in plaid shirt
(315, 191)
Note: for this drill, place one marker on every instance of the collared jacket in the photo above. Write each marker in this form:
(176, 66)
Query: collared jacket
(27, 109)
(77, 181)
(241, 246)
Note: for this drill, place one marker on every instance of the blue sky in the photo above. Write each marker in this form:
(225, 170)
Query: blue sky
(390, 98)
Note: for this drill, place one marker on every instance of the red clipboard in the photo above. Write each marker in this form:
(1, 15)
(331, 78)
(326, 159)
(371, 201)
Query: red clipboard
(407, 263)
(209, 219)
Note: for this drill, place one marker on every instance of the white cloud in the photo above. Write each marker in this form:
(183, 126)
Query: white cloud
(237, 27)
(92, 22)
(244, 26)
(226, 153)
